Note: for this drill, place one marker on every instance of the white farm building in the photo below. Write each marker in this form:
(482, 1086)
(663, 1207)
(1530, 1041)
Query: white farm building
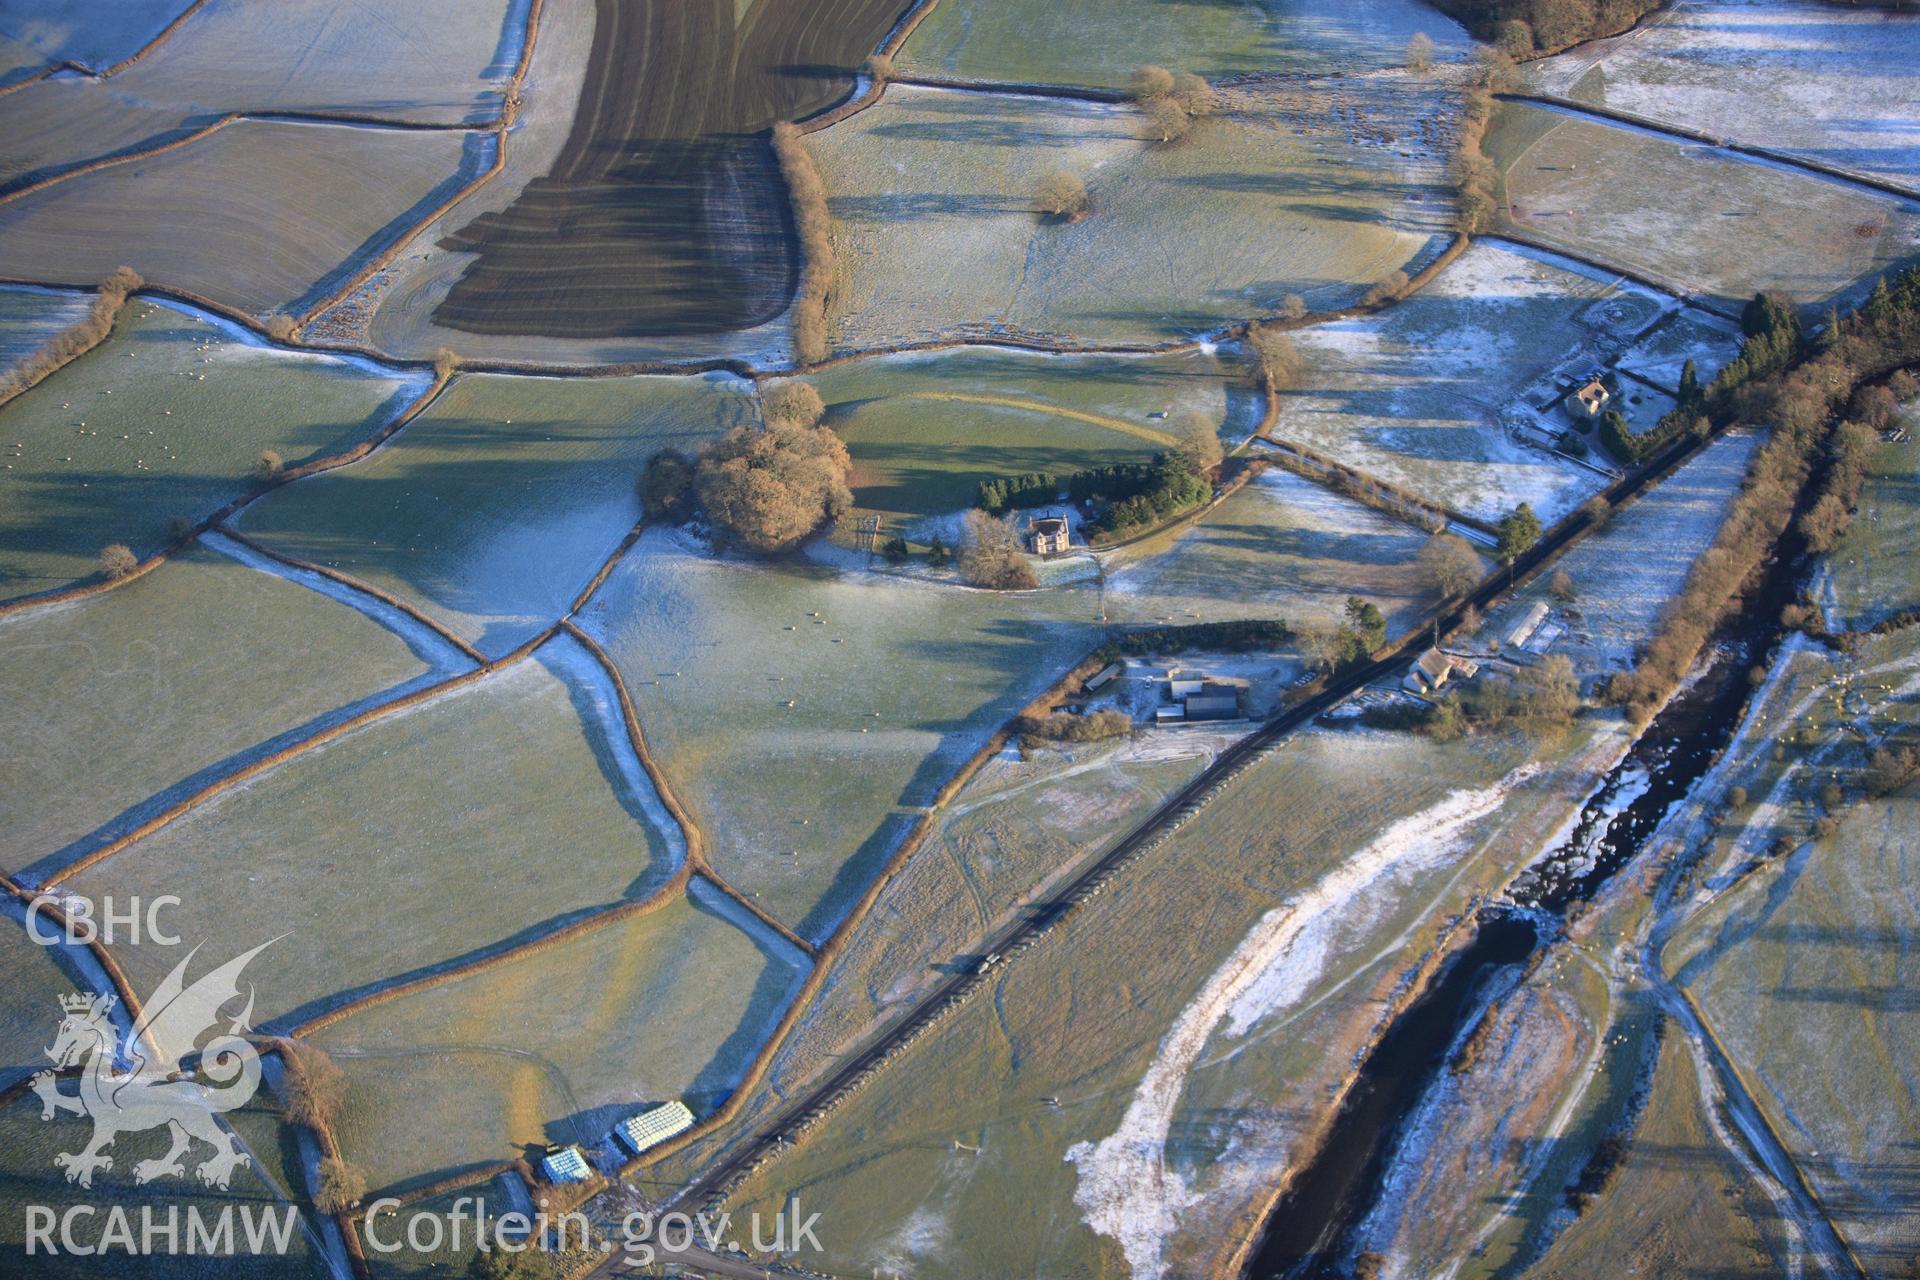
(653, 1126)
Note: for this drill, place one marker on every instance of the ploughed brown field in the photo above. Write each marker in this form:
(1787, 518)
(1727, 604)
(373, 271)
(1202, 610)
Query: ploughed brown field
(665, 213)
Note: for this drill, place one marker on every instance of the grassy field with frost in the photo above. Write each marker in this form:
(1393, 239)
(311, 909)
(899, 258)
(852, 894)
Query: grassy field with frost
(1100, 42)
(484, 816)
(28, 1176)
(1831, 83)
(1874, 572)
(1281, 547)
(497, 504)
(669, 1005)
(37, 976)
(28, 318)
(934, 194)
(804, 713)
(442, 62)
(1428, 394)
(1669, 209)
(1200, 983)
(262, 215)
(164, 420)
(925, 429)
(166, 681)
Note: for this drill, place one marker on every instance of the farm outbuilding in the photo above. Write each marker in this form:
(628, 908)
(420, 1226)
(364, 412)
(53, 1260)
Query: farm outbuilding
(653, 1126)
(565, 1164)
(1522, 631)
(1214, 705)
(1429, 671)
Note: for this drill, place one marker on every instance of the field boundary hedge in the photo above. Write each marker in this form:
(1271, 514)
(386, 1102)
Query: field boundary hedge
(501, 127)
(274, 759)
(1817, 168)
(364, 588)
(672, 889)
(113, 69)
(217, 520)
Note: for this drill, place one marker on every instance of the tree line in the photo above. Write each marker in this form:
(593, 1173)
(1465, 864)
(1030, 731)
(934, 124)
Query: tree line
(813, 224)
(1534, 28)
(1820, 409)
(78, 338)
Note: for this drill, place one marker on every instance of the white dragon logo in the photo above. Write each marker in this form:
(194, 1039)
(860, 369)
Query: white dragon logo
(156, 1090)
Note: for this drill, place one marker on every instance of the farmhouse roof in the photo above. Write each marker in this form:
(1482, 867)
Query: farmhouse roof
(1435, 666)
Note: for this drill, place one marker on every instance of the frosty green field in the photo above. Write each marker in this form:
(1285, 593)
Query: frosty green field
(1085, 1075)
(176, 678)
(486, 815)
(934, 193)
(925, 429)
(1282, 547)
(28, 1176)
(164, 420)
(1451, 393)
(1872, 573)
(497, 504)
(1668, 208)
(805, 713)
(29, 317)
(668, 1005)
(1100, 42)
(261, 215)
(1827, 82)
(300, 56)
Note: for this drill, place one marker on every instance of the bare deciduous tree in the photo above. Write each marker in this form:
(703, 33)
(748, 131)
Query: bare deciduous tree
(1195, 96)
(1167, 121)
(1063, 195)
(1450, 563)
(791, 403)
(1276, 356)
(341, 1186)
(1150, 82)
(770, 489)
(1420, 53)
(1198, 441)
(991, 555)
(117, 561)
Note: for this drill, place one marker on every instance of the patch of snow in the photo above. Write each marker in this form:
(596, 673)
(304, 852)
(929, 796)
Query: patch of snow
(1126, 1191)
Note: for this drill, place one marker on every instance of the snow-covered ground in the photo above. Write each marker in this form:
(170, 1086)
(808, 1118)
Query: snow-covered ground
(1126, 1190)
(1838, 85)
(1451, 393)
